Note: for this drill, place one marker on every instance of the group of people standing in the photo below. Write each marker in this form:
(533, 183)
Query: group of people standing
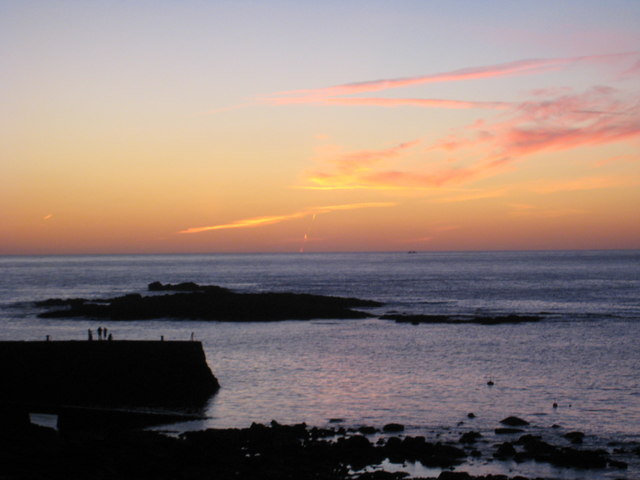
(103, 334)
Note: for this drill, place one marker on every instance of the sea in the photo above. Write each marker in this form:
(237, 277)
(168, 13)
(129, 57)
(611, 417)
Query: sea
(583, 356)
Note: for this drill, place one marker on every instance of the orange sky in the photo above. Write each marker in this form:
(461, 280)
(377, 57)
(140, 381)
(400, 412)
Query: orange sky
(236, 127)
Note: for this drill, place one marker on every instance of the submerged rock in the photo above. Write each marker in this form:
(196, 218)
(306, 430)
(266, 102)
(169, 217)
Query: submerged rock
(393, 427)
(617, 464)
(454, 476)
(507, 431)
(514, 422)
(367, 430)
(505, 450)
(586, 459)
(470, 437)
(481, 320)
(574, 437)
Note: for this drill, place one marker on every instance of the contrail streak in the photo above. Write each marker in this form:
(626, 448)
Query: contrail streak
(307, 234)
(269, 220)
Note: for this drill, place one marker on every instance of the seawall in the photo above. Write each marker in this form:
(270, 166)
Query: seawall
(131, 373)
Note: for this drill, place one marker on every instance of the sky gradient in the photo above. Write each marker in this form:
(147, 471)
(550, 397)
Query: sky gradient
(294, 126)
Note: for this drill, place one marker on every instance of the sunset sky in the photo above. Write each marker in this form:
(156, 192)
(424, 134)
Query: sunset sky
(298, 126)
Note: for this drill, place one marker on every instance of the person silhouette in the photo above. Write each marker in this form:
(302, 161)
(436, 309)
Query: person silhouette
(90, 335)
(99, 333)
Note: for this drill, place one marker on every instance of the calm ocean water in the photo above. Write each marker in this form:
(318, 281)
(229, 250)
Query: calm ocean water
(585, 355)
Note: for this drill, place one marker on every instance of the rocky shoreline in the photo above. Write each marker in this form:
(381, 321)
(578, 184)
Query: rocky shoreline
(276, 451)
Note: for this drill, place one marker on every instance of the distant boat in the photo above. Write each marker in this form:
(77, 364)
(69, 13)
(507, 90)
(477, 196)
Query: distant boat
(412, 251)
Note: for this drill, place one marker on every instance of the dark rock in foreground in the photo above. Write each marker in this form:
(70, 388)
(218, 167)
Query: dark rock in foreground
(507, 431)
(258, 452)
(505, 450)
(574, 437)
(105, 373)
(541, 451)
(393, 427)
(197, 302)
(481, 320)
(470, 437)
(514, 422)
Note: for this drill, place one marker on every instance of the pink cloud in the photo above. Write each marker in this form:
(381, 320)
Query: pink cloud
(347, 170)
(632, 71)
(335, 95)
(600, 115)
(491, 71)
(520, 67)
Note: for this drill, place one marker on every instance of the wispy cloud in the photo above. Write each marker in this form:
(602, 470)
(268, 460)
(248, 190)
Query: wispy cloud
(349, 170)
(632, 72)
(270, 220)
(336, 95)
(344, 94)
(519, 67)
(539, 187)
(598, 116)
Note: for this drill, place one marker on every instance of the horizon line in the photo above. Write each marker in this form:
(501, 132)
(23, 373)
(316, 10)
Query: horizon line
(323, 252)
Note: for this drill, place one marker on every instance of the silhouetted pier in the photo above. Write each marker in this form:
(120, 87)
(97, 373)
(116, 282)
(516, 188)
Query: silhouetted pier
(105, 373)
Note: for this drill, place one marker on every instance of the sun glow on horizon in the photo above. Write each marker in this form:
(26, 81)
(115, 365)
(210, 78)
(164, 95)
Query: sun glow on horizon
(520, 138)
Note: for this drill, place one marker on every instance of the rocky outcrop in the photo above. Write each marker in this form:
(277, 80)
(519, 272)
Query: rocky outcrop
(209, 302)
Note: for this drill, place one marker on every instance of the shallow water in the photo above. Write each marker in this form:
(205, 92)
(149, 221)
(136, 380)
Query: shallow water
(584, 355)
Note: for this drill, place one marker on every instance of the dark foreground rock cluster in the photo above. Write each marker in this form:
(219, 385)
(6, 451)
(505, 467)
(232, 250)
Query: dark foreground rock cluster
(259, 452)
(208, 302)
